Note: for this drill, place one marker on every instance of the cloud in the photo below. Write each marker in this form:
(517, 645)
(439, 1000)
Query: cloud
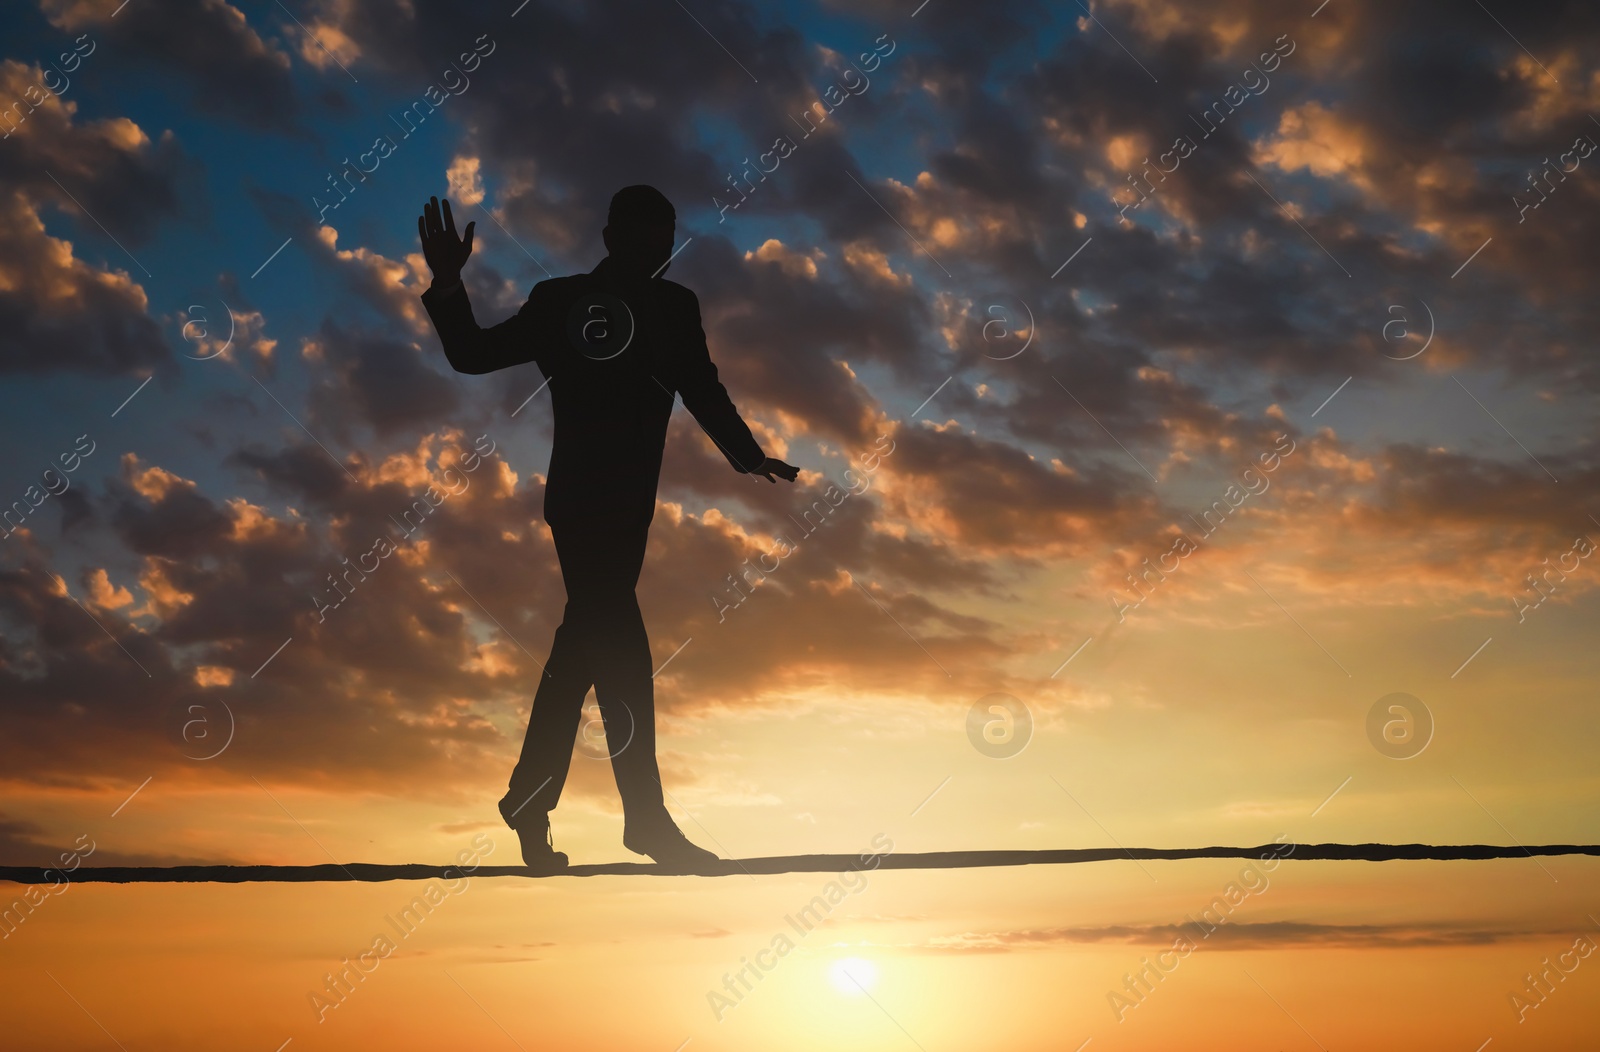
(229, 67)
(1243, 935)
(24, 843)
(465, 181)
(58, 313)
(372, 379)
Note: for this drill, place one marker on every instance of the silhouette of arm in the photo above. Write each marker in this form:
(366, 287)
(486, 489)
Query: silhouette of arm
(707, 399)
(472, 348)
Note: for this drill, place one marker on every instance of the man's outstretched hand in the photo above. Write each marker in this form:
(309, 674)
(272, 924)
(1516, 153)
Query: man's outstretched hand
(772, 466)
(445, 251)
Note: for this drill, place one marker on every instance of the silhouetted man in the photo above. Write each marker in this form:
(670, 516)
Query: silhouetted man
(615, 344)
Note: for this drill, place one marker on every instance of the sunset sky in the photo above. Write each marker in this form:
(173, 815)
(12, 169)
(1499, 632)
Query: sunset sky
(1209, 374)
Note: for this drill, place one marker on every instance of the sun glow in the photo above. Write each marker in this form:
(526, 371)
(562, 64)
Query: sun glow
(853, 975)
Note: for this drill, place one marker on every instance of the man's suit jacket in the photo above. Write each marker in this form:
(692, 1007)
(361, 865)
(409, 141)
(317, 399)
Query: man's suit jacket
(614, 354)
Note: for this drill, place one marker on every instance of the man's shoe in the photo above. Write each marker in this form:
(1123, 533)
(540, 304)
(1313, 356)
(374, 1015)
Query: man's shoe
(664, 842)
(538, 852)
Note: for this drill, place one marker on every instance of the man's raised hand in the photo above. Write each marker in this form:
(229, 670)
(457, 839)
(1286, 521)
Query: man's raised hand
(445, 251)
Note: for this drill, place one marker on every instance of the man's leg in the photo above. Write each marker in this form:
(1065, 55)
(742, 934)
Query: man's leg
(541, 772)
(626, 691)
(619, 655)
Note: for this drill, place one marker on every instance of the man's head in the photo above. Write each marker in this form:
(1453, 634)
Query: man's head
(639, 230)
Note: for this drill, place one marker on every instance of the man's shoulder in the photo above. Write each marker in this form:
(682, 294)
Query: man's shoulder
(570, 284)
(677, 294)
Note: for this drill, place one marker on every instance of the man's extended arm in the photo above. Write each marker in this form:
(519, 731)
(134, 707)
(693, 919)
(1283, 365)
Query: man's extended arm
(705, 397)
(470, 347)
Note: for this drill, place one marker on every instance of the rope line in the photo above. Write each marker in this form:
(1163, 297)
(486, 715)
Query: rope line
(366, 871)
